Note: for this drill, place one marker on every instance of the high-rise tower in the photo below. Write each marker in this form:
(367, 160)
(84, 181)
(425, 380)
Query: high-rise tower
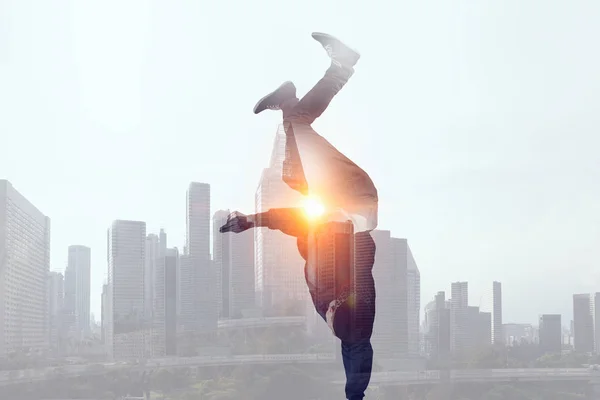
(24, 267)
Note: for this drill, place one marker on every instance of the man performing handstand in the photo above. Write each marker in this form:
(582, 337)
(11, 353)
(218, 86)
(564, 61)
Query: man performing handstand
(318, 170)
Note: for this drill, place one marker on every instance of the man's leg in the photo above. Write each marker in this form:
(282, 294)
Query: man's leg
(358, 364)
(314, 103)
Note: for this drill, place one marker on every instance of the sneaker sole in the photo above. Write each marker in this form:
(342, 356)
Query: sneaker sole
(257, 108)
(323, 38)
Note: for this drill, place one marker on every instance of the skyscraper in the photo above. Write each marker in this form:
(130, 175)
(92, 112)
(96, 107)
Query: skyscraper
(24, 267)
(128, 330)
(151, 259)
(550, 333)
(164, 334)
(443, 339)
(390, 332)
(55, 307)
(398, 282)
(413, 291)
(597, 322)
(198, 220)
(198, 279)
(497, 334)
(77, 289)
(459, 304)
(233, 256)
(280, 283)
(105, 311)
(479, 328)
(583, 323)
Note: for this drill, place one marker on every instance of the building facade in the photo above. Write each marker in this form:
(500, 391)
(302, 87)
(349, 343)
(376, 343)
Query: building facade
(279, 278)
(550, 333)
(233, 256)
(583, 323)
(497, 334)
(56, 295)
(128, 330)
(24, 267)
(77, 289)
(459, 304)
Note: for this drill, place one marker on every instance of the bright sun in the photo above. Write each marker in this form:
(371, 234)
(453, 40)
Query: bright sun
(313, 207)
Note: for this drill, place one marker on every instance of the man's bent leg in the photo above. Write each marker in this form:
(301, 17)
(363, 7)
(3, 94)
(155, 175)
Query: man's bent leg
(358, 364)
(316, 101)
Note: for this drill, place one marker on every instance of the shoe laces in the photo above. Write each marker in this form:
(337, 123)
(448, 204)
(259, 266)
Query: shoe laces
(329, 50)
(273, 107)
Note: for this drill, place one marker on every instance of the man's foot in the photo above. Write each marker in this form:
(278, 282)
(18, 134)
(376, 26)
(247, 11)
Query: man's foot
(340, 54)
(275, 99)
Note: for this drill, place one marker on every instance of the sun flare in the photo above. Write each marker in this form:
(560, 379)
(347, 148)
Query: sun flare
(313, 207)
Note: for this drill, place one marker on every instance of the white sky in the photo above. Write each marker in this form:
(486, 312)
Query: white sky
(478, 121)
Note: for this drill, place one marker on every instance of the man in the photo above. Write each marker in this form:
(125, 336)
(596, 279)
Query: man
(318, 170)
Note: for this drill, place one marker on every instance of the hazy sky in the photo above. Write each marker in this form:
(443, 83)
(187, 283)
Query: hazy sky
(478, 121)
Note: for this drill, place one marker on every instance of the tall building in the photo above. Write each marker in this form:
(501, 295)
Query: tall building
(24, 267)
(479, 328)
(390, 331)
(497, 334)
(437, 327)
(77, 290)
(597, 322)
(105, 311)
(233, 256)
(164, 335)
(198, 278)
(459, 304)
(335, 269)
(583, 323)
(398, 282)
(198, 220)
(413, 291)
(128, 330)
(56, 296)
(550, 333)
(152, 257)
(280, 284)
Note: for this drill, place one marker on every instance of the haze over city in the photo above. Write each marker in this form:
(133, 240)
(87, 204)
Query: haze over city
(478, 124)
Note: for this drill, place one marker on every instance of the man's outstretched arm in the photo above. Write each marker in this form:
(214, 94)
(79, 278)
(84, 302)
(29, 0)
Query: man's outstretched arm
(291, 221)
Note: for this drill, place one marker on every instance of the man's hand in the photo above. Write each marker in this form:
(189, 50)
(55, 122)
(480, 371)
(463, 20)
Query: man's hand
(237, 223)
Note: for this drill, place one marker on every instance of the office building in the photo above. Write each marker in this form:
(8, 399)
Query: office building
(233, 256)
(395, 334)
(279, 276)
(459, 304)
(413, 291)
(128, 330)
(164, 335)
(24, 267)
(437, 327)
(77, 291)
(583, 323)
(56, 296)
(497, 334)
(480, 329)
(550, 333)
(597, 322)
(104, 317)
(152, 257)
(198, 220)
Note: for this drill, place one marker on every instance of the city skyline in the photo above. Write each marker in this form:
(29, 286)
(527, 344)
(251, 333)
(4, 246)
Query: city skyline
(492, 297)
(481, 142)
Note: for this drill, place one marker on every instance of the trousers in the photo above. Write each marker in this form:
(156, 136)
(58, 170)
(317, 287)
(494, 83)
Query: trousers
(353, 322)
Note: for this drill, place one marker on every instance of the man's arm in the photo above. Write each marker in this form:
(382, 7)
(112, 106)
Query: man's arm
(291, 221)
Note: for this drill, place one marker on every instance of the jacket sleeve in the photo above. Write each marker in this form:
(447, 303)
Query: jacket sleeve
(290, 221)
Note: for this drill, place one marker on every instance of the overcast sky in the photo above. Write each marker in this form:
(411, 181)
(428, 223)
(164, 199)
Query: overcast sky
(478, 121)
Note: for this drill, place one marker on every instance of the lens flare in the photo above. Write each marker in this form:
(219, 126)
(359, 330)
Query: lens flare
(313, 207)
